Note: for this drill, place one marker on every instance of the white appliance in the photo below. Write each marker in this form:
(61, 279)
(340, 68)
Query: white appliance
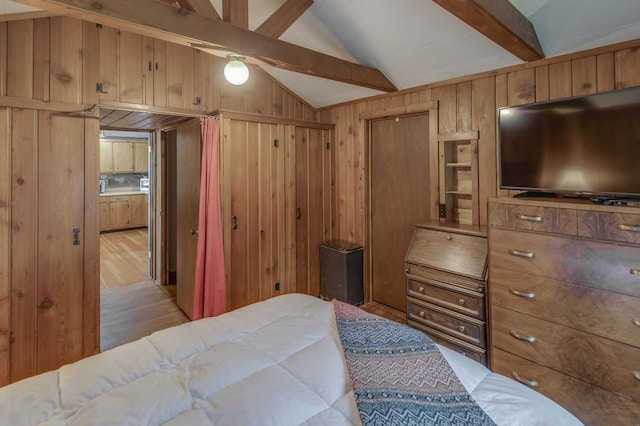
(144, 184)
(103, 185)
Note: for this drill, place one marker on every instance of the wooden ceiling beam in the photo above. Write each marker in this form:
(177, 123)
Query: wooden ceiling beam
(236, 12)
(501, 22)
(275, 25)
(201, 7)
(177, 25)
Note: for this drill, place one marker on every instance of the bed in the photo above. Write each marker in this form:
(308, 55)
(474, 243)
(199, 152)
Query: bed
(276, 362)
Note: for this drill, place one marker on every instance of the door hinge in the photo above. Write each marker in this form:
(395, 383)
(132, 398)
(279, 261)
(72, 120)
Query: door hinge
(276, 143)
(328, 145)
(99, 26)
(99, 88)
(197, 100)
(277, 286)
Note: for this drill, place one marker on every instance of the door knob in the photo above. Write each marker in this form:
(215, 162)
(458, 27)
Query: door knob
(193, 231)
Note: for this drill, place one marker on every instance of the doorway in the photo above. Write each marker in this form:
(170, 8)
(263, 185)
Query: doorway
(399, 198)
(126, 188)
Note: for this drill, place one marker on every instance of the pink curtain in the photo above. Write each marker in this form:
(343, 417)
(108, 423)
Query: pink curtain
(210, 297)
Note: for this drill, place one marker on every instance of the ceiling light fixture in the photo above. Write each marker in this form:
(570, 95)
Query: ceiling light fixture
(236, 71)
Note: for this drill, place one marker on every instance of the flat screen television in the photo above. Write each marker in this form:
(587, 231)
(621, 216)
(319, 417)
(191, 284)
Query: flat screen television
(584, 146)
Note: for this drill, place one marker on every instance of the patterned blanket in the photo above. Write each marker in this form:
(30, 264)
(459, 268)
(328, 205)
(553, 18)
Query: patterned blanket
(399, 376)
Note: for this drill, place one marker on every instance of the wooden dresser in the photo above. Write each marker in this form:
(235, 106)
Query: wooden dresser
(446, 268)
(565, 303)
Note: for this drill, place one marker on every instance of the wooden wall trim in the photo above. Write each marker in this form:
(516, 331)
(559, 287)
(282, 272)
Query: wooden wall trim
(268, 119)
(492, 73)
(27, 15)
(24, 103)
(421, 108)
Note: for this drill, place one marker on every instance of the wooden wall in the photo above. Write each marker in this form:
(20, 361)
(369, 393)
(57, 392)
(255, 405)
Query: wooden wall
(49, 68)
(469, 103)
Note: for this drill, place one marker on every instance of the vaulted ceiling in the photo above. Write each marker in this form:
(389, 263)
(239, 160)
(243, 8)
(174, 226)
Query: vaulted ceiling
(333, 51)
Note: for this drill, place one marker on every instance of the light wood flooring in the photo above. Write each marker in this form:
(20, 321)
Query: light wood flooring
(124, 258)
(132, 306)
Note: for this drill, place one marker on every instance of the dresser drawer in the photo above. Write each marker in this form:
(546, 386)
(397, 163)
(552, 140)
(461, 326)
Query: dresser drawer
(534, 218)
(611, 315)
(461, 254)
(446, 277)
(464, 328)
(603, 362)
(455, 298)
(599, 265)
(463, 348)
(592, 405)
(619, 227)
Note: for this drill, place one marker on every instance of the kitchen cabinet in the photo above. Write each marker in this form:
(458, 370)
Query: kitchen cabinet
(123, 211)
(104, 214)
(122, 157)
(118, 156)
(119, 212)
(106, 157)
(140, 157)
(139, 210)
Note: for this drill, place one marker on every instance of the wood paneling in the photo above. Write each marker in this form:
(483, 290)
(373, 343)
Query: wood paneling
(5, 244)
(459, 105)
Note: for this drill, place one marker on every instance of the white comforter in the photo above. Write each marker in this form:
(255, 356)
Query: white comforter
(277, 362)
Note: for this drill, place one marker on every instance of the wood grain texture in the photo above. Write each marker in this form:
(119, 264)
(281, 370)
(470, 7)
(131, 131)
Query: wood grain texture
(66, 81)
(576, 359)
(5, 245)
(592, 405)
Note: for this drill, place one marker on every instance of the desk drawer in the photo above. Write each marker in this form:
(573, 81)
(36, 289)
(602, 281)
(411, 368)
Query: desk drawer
(459, 326)
(455, 298)
(463, 348)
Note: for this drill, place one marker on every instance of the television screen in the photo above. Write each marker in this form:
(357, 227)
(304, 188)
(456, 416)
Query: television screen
(588, 145)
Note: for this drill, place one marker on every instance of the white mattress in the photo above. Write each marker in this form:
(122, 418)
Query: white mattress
(277, 362)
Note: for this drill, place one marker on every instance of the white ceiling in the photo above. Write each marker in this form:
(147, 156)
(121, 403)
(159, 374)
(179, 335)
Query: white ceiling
(416, 42)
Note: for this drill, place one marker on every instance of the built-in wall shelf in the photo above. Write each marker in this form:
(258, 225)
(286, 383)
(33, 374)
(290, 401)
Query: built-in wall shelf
(458, 177)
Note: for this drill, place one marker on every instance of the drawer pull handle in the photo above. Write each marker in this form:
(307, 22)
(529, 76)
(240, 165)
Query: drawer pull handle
(631, 228)
(522, 337)
(421, 290)
(522, 294)
(461, 302)
(407, 270)
(636, 374)
(634, 271)
(532, 383)
(530, 218)
(636, 322)
(422, 314)
(461, 329)
(449, 237)
(525, 254)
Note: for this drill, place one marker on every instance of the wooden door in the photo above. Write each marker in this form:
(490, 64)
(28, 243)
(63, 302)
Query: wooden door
(122, 157)
(255, 173)
(106, 157)
(141, 157)
(399, 187)
(188, 159)
(313, 189)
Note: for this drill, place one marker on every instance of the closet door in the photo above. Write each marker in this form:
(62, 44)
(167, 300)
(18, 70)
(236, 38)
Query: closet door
(254, 176)
(52, 278)
(188, 164)
(313, 209)
(399, 180)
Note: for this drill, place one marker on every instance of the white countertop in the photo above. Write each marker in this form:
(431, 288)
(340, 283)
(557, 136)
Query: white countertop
(115, 193)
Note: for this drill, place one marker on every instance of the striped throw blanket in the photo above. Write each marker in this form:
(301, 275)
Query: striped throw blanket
(399, 376)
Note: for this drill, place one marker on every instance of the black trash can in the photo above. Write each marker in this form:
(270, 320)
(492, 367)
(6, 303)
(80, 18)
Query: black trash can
(341, 271)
